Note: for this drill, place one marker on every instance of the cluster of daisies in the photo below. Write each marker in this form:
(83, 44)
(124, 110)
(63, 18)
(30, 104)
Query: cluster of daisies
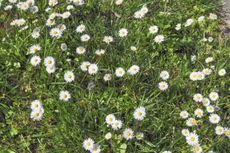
(37, 110)
(192, 137)
(200, 75)
(163, 85)
(116, 124)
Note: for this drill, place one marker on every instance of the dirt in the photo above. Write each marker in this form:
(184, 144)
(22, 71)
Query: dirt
(226, 13)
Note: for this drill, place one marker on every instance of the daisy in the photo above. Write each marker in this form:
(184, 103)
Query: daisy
(198, 97)
(200, 76)
(191, 122)
(120, 72)
(123, 32)
(209, 60)
(55, 33)
(166, 152)
(85, 38)
(164, 75)
(108, 136)
(88, 144)
(201, 18)
(36, 115)
(84, 65)
(80, 28)
(213, 96)
(184, 114)
(222, 72)
(80, 50)
(53, 2)
(108, 39)
(214, 118)
(100, 52)
(66, 15)
(163, 85)
(197, 149)
(192, 139)
(199, 113)
(185, 132)
(118, 2)
(49, 23)
(193, 76)
(110, 119)
(117, 124)
(64, 46)
(51, 69)
(188, 22)
(34, 49)
(49, 61)
(139, 135)
(159, 39)
(206, 102)
(133, 70)
(35, 60)
(219, 130)
(93, 69)
(178, 27)
(227, 132)
(139, 113)
(210, 109)
(36, 105)
(207, 71)
(69, 76)
(153, 29)
(128, 134)
(64, 96)
(133, 48)
(95, 149)
(107, 77)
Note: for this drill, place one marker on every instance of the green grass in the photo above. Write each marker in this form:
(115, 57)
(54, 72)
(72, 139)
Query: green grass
(64, 126)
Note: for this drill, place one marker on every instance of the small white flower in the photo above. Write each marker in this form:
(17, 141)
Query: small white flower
(80, 28)
(80, 50)
(36, 105)
(153, 29)
(123, 32)
(49, 61)
(35, 60)
(100, 52)
(108, 136)
(185, 132)
(199, 112)
(178, 27)
(206, 102)
(108, 39)
(64, 46)
(184, 114)
(139, 113)
(198, 97)
(128, 134)
(66, 15)
(210, 109)
(193, 76)
(188, 22)
(133, 70)
(163, 86)
(222, 72)
(201, 18)
(200, 76)
(164, 75)
(107, 77)
(36, 115)
(166, 152)
(34, 49)
(139, 135)
(192, 139)
(85, 38)
(214, 118)
(219, 130)
(118, 2)
(51, 69)
(159, 39)
(133, 48)
(212, 16)
(197, 149)
(55, 33)
(110, 119)
(191, 122)
(69, 76)
(93, 69)
(207, 71)
(95, 149)
(209, 60)
(88, 144)
(64, 96)
(120, 72)
(213, 96)
(84, 66)
(117, 124)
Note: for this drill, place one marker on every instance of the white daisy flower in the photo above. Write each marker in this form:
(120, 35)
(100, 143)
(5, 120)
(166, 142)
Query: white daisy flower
(123, 32)
(133, 48)
(197, 149)
(209, 60)
(53, 2)
(178, 27)
(85, 38)
(166, 152)
(117, 124)
(222, 72)
(110, 119)
(207, 71)
(34, 49)
(198, 97)
(36, 105)
(69, 76)
(199, 113)
(184, 114)
(119, 72)
(93, 69)
(64, 95)
(163, 85)
(191, 122)
(201, 18)
(84, 66)
(118, 2)
(188, 22)
(108, 39)
(139, 135)
(80, 50)
(219, 130)
(88, 144)
(35, 60)
(51, 69)
(164, 75)
(36, 115)
(192, 139)
(193, 76)
(55, 33)
(49, 61)
(66, 15)
(133, 70)
(159, 39)
(153, 29)
(80, 28)
(210, 109)
(185, 132)
(206, 102)
(139, 113)
(128, 134)
(214, 118)
(213, 96)
(64, 46)
(108, 136)
(212, 16)
(95, 149)
(200, 76)
(107, 77)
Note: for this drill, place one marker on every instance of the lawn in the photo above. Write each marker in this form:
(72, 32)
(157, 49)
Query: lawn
(113, 76)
